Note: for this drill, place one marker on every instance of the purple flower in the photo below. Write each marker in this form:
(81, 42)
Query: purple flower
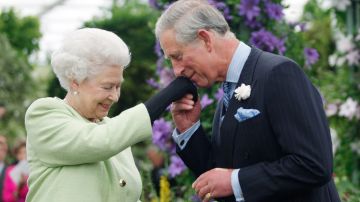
(195, 198)
(253, 24)
(176, 167)
(166, 76)
(266, 41)
(274, 11)
(153, 83)
(281, 46)
(331, 109)
(160, 64)
(219, 94)
(205, 101)
(162, 134)
(221, 6)
(158, 50)
(249, 9)
(154, 4)
(311, 56)
(299, 26)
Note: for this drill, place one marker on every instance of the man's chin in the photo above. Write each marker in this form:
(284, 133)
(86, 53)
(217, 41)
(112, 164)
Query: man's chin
(203, 85)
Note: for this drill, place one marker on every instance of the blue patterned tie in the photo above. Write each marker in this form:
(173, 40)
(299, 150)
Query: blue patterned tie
(227, 93)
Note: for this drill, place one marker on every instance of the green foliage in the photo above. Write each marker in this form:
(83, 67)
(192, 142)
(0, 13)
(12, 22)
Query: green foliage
(23, 32)
(18, 39)
(337, 83)
(16, 84)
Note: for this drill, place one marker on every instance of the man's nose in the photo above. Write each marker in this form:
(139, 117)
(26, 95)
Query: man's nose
(178, 70)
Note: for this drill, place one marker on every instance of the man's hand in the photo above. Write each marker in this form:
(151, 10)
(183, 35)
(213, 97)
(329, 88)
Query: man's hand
(185, 112)
(214, 183)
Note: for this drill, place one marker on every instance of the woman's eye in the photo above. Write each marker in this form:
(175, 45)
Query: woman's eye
(107, 88)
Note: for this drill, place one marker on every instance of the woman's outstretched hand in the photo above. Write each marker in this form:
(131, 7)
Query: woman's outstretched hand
(177, 89)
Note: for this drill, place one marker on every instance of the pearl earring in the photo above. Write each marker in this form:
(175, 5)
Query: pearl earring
(75, 93)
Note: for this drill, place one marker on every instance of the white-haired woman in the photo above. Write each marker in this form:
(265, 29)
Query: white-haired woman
(76, 153)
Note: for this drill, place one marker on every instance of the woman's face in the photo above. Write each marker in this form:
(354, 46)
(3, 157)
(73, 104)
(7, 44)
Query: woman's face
(97, 93)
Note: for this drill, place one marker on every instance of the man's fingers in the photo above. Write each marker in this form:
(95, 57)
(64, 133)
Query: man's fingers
(189, 96)
(182, 104)
(181, 107)
(203, 191)
(186, 99)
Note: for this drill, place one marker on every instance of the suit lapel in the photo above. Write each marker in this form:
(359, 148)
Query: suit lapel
(216, 123)
(229, 125)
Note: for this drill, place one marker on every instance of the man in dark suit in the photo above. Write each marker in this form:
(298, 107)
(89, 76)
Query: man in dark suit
(270, 139)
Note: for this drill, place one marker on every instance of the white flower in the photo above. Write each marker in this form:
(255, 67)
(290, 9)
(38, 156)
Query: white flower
(331, 109)
(355, 146)
(341, 4)
(340, 61)
(332, 59)
(348, 108)
(335, 140)
(344, 44)
(353, 57)
(242, 92)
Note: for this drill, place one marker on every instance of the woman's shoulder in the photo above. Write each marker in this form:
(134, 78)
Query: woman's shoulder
(47, 101)
(46, 104)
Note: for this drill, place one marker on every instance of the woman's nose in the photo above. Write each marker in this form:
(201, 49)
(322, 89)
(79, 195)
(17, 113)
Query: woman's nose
(115, 94)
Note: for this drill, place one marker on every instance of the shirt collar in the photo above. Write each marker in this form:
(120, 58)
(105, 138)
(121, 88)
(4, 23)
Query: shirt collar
(237, 62)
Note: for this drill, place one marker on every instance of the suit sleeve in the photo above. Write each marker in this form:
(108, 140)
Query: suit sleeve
(296, 116)
(197, 154)
(59, 138)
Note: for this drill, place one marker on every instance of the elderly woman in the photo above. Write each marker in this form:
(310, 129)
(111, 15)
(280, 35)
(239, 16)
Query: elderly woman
(75, 152)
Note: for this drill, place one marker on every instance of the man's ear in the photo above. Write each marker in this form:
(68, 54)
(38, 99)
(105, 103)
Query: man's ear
(206, 37)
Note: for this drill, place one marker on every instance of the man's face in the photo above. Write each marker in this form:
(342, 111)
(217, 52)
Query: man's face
(193, 60)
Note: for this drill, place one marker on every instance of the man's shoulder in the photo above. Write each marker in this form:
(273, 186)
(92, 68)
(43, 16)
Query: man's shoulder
(272, 59)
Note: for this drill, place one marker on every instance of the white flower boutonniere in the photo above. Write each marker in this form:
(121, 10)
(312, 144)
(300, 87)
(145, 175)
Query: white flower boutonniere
(242, 92)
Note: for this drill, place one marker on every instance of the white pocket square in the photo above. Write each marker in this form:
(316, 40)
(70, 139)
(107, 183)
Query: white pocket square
(243, 114)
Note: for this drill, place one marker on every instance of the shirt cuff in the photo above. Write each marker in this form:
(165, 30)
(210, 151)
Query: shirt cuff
(235, 184)
(182, 139)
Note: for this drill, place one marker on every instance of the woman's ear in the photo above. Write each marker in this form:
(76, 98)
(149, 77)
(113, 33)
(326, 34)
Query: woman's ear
(206, 37)
(74, 85)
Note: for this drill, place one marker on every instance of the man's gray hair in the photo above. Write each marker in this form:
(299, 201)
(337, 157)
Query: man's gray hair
(186, 17)
(86, 52)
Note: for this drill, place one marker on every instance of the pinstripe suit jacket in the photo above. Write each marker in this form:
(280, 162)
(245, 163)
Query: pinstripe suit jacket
(284, 153)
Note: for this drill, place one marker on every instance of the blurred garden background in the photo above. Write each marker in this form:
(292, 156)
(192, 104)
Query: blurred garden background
(324, 40)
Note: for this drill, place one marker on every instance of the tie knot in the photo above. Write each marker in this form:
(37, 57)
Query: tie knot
(226, 87)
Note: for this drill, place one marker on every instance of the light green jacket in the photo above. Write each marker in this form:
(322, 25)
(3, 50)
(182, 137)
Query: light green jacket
(74, 160)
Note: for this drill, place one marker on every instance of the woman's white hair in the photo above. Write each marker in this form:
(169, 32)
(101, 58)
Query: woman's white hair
(186, 17)
(86, 52)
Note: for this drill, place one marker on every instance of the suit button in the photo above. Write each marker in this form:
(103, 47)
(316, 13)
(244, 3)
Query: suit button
(122, 183)
(246, 155)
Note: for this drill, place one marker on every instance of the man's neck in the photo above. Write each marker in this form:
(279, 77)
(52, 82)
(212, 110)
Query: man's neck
(227, 49)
